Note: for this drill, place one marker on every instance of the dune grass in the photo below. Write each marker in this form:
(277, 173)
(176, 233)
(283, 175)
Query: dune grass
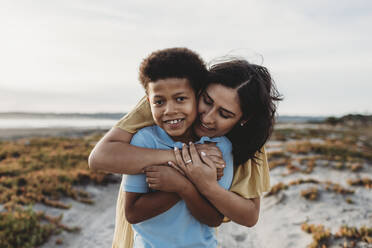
(42, 170)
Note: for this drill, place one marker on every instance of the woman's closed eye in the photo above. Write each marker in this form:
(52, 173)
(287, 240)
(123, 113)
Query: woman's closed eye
(223, 115)
(207, 100)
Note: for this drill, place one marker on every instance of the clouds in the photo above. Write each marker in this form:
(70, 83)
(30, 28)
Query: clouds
(80, 47)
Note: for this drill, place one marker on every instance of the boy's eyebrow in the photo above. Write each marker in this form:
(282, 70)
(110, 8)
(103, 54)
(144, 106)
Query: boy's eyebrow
(223, 109)
(179, 93)
(176, 94)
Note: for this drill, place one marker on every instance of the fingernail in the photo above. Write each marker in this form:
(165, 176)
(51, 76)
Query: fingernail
(169, 163)
(190, 142)
(175, 148)
(223, 166)
(183, 144)
(203, 154)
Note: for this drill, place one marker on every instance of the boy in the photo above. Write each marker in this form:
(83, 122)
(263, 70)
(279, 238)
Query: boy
(172, 78)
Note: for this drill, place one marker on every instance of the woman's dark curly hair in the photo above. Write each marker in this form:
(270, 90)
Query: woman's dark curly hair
(174, 63)
(257, 95)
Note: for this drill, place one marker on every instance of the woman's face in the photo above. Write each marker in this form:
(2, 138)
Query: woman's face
(219, 111)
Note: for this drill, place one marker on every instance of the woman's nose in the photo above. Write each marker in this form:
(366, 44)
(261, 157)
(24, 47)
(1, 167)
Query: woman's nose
(207, 117)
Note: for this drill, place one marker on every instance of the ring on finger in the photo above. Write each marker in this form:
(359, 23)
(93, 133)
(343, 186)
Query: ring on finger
(188, 161)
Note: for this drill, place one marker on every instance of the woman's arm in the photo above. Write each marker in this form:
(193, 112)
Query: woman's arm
(167, 179)
(202, 172)
(238, 209)
(114, 154)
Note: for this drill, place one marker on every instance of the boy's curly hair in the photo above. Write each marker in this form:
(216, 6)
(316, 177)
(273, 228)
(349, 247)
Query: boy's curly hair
(173, 63)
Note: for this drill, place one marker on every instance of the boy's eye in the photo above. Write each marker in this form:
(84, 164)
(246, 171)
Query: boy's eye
(180, 99)
(158, 102)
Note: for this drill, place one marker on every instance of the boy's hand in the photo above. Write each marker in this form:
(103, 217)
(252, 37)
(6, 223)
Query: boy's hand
(214, 153)
(165, 178)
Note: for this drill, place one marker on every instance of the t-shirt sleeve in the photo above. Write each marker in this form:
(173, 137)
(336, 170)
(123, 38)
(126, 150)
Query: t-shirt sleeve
(137, 118)
(137, 183)
(252, 179)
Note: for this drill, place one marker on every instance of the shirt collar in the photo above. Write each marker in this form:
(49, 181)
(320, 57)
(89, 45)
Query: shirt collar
(166, 140)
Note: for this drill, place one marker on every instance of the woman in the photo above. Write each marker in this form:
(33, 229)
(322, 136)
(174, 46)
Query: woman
(239, 103)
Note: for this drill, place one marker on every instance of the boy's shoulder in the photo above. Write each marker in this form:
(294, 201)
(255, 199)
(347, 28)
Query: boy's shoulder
(146, 130)
(152, 137)
(145, 137)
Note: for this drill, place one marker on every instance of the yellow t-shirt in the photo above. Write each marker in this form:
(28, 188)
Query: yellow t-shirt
(250, 179)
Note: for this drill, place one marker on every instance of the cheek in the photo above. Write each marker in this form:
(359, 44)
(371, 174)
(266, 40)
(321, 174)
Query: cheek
(201, 107)
(156, 114)
(226, 126)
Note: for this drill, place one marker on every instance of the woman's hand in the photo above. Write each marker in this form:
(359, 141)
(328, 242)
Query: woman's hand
(199, 169)
(214, 153)
(165, 178)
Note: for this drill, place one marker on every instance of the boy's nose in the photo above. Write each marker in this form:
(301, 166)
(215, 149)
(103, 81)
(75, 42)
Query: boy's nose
(170, 109)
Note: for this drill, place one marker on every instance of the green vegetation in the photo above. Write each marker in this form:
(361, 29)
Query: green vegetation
(42, 170)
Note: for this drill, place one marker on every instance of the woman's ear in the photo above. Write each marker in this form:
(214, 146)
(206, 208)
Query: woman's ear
(242, 122)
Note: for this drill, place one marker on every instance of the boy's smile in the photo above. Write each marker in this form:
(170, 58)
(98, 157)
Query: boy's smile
(173, 106)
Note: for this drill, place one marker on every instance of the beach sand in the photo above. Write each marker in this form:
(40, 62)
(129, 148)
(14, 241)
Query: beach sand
(280, 220)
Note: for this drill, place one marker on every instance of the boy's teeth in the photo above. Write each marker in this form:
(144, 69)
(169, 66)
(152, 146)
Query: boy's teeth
(174, 121)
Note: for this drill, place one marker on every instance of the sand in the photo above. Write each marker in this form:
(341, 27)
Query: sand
(280, 220)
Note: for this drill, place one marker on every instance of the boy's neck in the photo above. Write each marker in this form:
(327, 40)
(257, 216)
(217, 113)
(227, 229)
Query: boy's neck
(186, 137)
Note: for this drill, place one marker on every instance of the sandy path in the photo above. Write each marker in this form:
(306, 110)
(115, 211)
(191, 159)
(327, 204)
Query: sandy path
(97, 221)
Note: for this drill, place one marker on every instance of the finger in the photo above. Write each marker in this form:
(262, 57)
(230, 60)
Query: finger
(179, 159)
(218, 161)
(207, 160)
(150, 180)
(151, 168)
(185, 155)
(153, 186)
(152, 174)
(174, 166)
(194, 154)
(219, 174)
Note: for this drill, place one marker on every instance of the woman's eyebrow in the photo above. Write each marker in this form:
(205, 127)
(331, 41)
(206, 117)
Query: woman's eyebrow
(223, 109)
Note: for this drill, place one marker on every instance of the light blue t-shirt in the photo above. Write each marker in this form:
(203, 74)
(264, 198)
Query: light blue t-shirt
(176, 227)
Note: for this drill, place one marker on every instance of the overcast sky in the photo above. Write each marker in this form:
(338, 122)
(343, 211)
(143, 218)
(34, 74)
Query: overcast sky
(83, 55)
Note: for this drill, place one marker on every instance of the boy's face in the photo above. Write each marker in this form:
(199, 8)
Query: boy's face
(173, 106)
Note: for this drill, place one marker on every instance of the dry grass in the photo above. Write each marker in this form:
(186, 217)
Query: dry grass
(41, 170)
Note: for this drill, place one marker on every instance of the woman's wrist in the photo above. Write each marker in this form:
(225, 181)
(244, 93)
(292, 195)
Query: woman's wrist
(187, 189)
(166, 156)
(208, 189)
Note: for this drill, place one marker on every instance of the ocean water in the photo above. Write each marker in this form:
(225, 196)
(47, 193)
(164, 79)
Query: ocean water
(92, 121)
(88, 123)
